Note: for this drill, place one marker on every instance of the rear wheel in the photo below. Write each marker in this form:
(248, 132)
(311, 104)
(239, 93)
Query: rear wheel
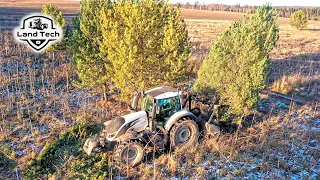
(128, 154)
(184, 133)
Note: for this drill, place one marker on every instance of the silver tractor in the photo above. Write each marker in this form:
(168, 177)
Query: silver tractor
(162, 123)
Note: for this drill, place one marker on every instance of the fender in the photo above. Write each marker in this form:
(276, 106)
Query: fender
(176, 116)
(128, 136)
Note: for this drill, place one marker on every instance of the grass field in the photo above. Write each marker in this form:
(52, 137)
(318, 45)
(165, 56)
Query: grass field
(44, 118)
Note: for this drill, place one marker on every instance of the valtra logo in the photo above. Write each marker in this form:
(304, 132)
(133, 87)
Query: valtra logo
(38, 31)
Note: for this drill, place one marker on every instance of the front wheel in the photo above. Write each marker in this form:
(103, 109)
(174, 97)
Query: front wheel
(129, 154)
(184, 134)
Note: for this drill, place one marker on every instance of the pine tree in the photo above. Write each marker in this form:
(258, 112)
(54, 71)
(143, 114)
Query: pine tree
(147, 44)
(299, 19)
(237, 65)
(91, 65)
(52, 11)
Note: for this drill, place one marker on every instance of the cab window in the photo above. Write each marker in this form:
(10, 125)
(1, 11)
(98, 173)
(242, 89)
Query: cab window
(169, 106)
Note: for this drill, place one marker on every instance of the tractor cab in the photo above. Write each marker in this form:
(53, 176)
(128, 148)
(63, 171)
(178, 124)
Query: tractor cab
(160, 103)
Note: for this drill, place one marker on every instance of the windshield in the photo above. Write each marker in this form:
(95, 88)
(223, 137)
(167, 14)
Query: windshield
(169, 106)
(147, 103)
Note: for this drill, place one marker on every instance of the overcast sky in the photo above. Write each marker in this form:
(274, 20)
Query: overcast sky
(255, 2)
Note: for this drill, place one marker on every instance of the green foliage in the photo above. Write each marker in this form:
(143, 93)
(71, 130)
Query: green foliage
(147, 44)
(66, 154)
(7, 157)
(135, 45)
(299, 19)
(237, 65)
(90, 64)
(52, 11)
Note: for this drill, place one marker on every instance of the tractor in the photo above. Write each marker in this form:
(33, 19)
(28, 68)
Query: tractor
(37, 24)
(162, 122)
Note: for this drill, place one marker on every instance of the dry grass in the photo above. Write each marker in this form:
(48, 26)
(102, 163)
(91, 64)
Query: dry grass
(284, 143)
(224, 15)
(295, 60)
(70, 6)
(37, 106)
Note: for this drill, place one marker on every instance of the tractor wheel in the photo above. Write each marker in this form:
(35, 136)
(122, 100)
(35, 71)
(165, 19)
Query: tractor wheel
(128, 154)
(184, 133)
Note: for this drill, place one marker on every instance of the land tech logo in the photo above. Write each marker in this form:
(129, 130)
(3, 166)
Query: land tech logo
(38, 31)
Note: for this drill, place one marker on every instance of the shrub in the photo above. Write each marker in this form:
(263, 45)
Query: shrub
(237, 65)
(299, 19)
(52, 11)
(147, 44)
(65, 154)
(133, 45)
(91, 65)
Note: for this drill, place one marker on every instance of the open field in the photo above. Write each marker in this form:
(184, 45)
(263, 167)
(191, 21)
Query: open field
(65, 6)
(39, 105)
(69, 8)
(223, 15)
(295, 59)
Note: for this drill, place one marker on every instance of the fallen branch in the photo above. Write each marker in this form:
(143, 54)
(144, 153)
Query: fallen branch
(285, 97)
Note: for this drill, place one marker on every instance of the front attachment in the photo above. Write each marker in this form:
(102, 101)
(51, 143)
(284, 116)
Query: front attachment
(212, 129)
(91, 146)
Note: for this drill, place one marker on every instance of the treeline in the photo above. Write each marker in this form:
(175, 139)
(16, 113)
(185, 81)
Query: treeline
(312, 12)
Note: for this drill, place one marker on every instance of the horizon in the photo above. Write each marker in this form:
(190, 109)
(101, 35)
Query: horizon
(306, 3)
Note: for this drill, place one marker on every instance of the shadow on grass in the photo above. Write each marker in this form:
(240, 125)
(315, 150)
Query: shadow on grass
(7, 166)
(304, 64)
(310, 29)
(296, 74)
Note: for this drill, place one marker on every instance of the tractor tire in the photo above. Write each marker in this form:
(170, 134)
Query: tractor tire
(128, 154)
(184, 134)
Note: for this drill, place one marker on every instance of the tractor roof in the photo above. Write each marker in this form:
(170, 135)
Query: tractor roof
(162, 92)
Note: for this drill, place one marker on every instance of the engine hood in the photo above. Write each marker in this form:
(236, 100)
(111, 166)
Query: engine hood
(134, 116)
(135, 121)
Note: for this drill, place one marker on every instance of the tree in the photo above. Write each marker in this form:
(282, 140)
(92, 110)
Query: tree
(52, 11)
(147, 44)
(91, 65)
(299, 19)
(237, 66)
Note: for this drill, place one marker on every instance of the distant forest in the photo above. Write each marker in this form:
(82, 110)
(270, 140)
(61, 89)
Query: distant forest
(312, 12)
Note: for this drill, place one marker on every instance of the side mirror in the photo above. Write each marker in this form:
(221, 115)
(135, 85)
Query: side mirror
(130, 108)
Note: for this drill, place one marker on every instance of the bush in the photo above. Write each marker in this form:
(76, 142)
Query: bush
(299, 19)
(237, 65)
(134, 45)
(147, 44)
(52, 11)
(65, 154)
(91, 65)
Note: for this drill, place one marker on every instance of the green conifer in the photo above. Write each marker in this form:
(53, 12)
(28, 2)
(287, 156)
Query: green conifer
(237, 65)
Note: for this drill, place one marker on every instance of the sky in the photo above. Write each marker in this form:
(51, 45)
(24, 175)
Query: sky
(255, 2)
